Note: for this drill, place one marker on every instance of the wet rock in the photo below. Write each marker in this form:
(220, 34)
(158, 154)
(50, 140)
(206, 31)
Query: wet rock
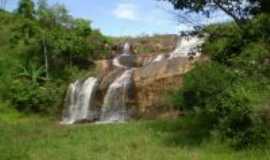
(109, 78)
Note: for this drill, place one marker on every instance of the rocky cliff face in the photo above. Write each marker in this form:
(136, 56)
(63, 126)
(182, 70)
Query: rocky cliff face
(130, 86)
(151, 82)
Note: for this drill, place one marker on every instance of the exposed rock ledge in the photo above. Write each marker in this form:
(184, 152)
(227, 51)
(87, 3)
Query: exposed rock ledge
(154, 80)
(151, 82)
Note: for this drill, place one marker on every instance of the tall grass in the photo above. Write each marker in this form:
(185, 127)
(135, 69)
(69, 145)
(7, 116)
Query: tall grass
(42, 139)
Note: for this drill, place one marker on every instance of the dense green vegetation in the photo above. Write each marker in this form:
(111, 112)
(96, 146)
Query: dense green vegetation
(239, 10)
(230, 94)
(42, 48)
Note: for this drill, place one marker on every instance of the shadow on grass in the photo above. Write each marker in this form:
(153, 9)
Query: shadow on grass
(183, 132)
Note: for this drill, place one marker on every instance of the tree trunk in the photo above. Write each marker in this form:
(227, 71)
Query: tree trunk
(45, 52)
(237, 20)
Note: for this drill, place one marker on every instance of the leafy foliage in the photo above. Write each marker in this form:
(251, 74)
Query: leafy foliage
(29, 97)
(225, 102)
(227, 94)
(239, 10)
(245, 49)
(39, 48)
(26, 8)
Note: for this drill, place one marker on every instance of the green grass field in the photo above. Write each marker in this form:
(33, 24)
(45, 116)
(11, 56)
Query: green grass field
(43, 139)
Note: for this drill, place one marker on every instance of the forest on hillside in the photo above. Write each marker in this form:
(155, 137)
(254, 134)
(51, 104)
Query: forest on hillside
(42, 49)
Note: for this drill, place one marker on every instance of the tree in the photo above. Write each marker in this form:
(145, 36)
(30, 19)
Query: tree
(26, 8)
(239, 10)
(54, 38)
(262, 7)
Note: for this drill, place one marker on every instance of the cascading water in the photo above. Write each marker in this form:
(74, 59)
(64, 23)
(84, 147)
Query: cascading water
(114, 106)
(187, 46)
(126, 48)
(126, 59)
(115, 102)
(159, 58)
(79, 102)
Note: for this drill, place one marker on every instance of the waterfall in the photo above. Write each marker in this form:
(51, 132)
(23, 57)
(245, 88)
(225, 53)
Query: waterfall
(80, 98)
(126, 48)
(79, 101)
(126, 59)
(159, 58)
(187, 46)
(114, 107)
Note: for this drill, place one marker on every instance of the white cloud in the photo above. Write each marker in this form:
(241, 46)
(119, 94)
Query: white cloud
(127, 11)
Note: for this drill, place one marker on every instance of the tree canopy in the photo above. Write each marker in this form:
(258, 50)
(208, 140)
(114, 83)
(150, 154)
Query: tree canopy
(26, 8)
(239, 10)
(42, 47)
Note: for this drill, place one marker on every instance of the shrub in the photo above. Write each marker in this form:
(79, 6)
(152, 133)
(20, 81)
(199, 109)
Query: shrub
(35, 98)
(246, 49)
(224, 42)
(204, 83)
(224, 101)
(236, 119)
(69, 47)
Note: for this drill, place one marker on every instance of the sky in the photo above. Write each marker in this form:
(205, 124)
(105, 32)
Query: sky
(129, 17)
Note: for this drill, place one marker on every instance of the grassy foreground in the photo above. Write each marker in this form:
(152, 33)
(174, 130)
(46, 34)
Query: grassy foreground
(42, 139)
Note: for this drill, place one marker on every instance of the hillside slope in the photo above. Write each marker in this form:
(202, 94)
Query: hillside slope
(149, 45)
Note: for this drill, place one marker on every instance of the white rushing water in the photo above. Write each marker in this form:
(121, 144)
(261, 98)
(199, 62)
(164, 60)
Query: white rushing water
(80, 98)
(114, 108)
(79, 101)
(126, 48)
(187, 46)
(125, 59)
(159, 58)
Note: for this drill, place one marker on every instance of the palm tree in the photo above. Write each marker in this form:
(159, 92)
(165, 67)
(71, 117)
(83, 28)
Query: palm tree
(34, 73)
